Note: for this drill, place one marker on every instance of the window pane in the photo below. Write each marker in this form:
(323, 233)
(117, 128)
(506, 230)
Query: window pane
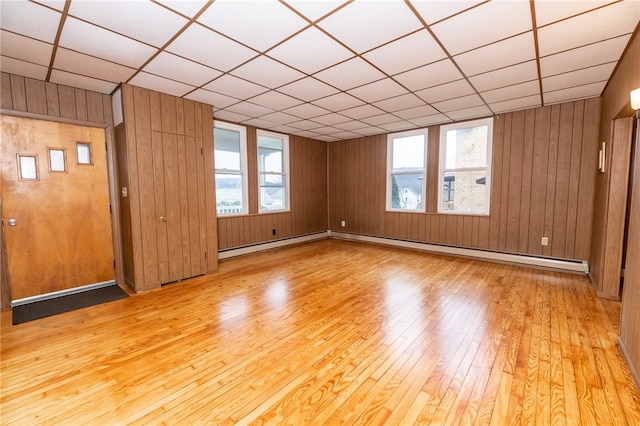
(267, 179)
(272, 198)
(465, 191)
(227, 149)
(229, 193)
(28, 167)
(270, 159)
(408, 153)
(406, 191)
(84, 153)
(466, 148)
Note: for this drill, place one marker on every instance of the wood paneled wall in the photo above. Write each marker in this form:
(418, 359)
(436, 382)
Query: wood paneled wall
(308, 203)
(38, 99)
(141, 165)
(611, 189)
(616, 104)
(543, 171)
(49, 99)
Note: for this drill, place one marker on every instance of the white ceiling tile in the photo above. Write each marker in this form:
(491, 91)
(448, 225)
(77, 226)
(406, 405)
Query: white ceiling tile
(349, 74)
(331, 119)
(27, 69)
(305, 125)
(409, 52)
(233, 117)
(351, 125)
(516, 104)
(512, 92)
(398, 126)
(378, 90)
(258, 24)
(306, 111)
(368, 131)
(30, 19)
(314, 10)
(211, 98)
(81, 82)
(188, 8)
(434, 11)
(431, 75)
(125, 17)
(310, 51)
(378, 120)
(86, 38)
(235, 87)
(280, 118)
(506, 76)
(338, 102)
(622, 18)
(548, 11)
(570, 94)
(260, 123)
(455, 89)
(463, 114)
(416, 112)
(430, 120)
(579, 77)
(176, 68)
(25, 48)
(275, 100)
(54, 4)
(249, 109)
(484, 24)
(308, 89)
(362, 112)
(399, 102)
(77, 63)
(583, 57)
(159, 84)
(347, 135)
(209, 48)
(498, 55)
(363, 25)
(284, 129)
(458, 103)
(267, 72)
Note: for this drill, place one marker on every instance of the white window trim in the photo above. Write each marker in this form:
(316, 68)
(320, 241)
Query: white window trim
(441, 169)
(285, 169)
(390, 138)
(243, 165)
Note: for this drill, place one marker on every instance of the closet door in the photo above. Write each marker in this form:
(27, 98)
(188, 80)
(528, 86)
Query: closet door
(178, 186)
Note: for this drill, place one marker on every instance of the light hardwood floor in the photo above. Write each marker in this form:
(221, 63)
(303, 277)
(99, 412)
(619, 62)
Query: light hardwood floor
(330, 332)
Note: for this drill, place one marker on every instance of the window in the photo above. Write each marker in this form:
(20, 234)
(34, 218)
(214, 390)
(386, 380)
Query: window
(83, 152)
(230, 153)
(406, 159)
(273, 171)
(465, 167)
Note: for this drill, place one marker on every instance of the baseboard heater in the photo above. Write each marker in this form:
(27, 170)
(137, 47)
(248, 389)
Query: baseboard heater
(541, 262)
(240, 251)
(60, 293)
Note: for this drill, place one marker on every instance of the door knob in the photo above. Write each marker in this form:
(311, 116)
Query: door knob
(163, 218)
(12, 222)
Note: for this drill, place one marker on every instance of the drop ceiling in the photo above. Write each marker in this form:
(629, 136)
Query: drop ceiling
(327, 69)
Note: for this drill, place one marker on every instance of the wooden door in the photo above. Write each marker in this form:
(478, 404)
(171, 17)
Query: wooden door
(178, 187)
(56, 213)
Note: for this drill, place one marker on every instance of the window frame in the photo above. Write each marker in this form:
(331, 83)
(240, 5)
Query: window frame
(391, 137)
(488, 163)
(285, 170)
(243, 171)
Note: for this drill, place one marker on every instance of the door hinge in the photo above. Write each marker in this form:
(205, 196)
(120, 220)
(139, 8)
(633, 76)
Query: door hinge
(201, 151)
(114, 264)
(205, 255)
(105, 147)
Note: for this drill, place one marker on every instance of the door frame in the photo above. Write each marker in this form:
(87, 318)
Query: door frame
(116, 231)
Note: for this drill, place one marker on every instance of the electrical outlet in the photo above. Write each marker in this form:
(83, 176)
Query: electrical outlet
(545, 241)
(273, 232)
(343, 223)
